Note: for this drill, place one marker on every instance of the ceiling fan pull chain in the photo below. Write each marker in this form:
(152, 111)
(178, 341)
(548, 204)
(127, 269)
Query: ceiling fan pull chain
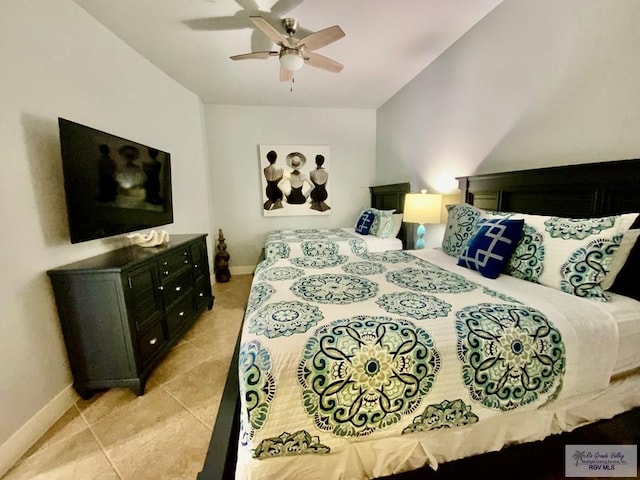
(293, 80)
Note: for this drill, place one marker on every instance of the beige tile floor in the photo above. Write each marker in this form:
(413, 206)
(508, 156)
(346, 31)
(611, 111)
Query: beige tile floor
(165, 433)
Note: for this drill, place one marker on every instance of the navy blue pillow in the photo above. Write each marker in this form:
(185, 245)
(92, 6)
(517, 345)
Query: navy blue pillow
(364, 222)
(492, 244)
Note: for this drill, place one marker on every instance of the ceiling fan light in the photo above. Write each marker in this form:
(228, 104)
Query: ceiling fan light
(291, 60)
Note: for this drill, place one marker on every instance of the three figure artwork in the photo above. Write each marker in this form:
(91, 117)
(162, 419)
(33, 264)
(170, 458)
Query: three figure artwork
(294, 190)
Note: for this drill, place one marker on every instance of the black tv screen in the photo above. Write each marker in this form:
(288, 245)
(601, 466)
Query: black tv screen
(112, 185)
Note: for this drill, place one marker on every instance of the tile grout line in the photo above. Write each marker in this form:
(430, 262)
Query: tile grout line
(42, 449)
(104, 452)
(166, 390)
(191, 412)
(110, 414)
(207, 358)
(209, 355)
(75, 405)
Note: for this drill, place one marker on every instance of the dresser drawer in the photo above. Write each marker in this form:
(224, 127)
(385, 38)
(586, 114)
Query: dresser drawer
(176, 287)
(183, 310)
(198, 269)
(173, 262)
(197, 256)
(145, 306)
(202, 292)
(151, 342)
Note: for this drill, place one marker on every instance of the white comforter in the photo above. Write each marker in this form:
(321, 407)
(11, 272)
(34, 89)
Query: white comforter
(315, 242)
(312, 242)
(344, 350)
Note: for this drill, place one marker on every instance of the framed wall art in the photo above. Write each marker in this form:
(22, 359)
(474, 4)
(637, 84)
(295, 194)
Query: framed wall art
(295, 180)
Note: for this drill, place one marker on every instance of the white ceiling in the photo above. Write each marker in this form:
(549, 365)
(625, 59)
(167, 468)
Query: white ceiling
(387, 43)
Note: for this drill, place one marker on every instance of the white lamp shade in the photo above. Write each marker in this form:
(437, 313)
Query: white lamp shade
(422, 208)
(291, 60)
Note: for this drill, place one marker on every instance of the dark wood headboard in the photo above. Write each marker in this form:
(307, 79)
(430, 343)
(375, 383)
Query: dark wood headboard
(586, 190)
(578, 191)
(388, 197)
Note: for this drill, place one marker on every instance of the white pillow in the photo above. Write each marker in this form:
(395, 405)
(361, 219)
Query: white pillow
(461, 224)
(571, 255)
(389, 226)
(382, 224)
(397, 225)
(620, 257)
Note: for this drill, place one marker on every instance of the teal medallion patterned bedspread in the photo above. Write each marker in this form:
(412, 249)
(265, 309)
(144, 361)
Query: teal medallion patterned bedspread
(358, 347)
(312, 242)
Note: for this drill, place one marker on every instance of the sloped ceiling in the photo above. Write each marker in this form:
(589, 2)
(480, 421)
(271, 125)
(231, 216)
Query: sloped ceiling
(387, 43)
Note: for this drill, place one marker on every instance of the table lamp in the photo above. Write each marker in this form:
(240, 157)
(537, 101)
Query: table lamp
(422, 208)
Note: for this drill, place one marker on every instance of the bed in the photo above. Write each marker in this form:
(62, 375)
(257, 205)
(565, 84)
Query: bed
(313, 242)
(311, 409)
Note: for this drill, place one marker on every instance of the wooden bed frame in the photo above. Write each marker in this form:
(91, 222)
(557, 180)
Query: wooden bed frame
(578, 191)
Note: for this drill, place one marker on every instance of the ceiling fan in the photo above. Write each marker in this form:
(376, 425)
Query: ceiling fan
(294, 53)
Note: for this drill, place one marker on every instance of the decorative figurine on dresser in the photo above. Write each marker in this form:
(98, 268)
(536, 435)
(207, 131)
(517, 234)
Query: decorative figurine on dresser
(221, 261)
(122, 311)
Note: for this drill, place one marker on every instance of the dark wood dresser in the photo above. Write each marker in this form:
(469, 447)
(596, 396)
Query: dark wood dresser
(122, 311)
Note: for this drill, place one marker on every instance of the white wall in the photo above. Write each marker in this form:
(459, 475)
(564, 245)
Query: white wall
(234, 134)
(533, 84)
(56, 60)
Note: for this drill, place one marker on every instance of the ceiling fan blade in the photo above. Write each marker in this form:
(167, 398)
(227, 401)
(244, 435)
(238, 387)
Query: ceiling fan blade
(285, 75)
(258, 55)
(321, 38)
(320, 61)
(248, 4)
(283, 7)
(269, 30)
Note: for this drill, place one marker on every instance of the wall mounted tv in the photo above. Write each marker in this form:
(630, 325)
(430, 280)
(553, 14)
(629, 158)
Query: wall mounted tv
(112, 185)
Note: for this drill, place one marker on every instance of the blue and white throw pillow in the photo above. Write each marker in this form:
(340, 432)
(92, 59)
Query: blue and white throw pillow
(490, 247)
(364, 222)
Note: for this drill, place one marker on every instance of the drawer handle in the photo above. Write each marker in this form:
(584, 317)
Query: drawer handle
(153, 341)
(201, 294)
(166, 272)
(178, 288)
(160, 287)
(195, 265)
(165, 263)
(186, 261)
(181, 314)
(184, 253)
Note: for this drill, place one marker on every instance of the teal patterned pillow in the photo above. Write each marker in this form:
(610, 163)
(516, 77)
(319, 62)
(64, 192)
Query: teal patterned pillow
(461, 224)
(574, 255)
(382, 224)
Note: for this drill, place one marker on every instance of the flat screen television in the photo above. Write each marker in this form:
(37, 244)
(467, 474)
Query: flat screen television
(112, 185)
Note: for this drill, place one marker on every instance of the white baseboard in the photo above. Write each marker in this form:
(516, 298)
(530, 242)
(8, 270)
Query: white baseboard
(36, 426)
(242, 270)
